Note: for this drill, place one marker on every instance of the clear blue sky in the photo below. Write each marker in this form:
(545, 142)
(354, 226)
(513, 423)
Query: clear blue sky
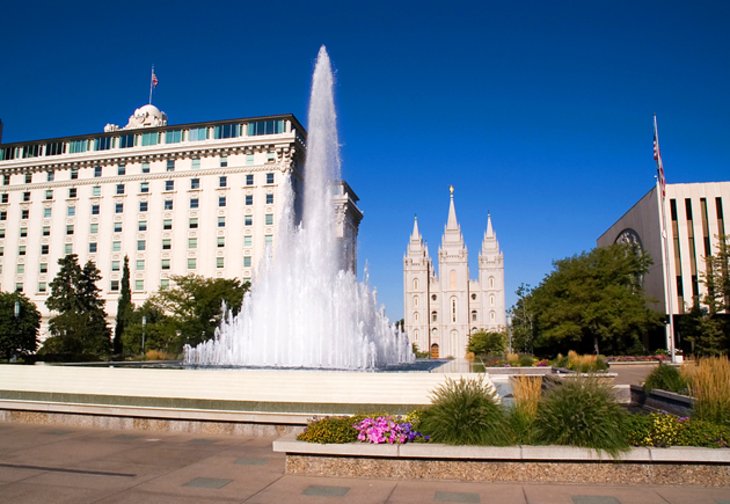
(539, 112)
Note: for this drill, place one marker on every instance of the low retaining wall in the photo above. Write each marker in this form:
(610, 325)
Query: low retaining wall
(548, 464)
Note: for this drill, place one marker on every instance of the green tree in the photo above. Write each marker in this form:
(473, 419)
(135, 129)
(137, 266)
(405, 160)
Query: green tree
(80, 329)
(125, 308)
(486, 342)
(19, 324)
(522, 315)
(192, 307)
(148, 329)
(594, 302)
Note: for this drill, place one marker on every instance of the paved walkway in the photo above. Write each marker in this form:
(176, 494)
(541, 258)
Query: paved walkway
(46, 464)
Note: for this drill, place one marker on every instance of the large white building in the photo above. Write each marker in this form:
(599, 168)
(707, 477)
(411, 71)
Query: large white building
(695, 219)
(201, 198)
(440, 312)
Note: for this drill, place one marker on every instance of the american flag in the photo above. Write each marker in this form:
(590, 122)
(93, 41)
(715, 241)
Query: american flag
(154, 79)
(659, 165)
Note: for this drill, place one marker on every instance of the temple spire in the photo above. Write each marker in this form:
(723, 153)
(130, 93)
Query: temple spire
(490, 231)
(415, 235)
(451, 222)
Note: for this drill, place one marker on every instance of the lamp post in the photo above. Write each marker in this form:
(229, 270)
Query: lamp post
(16, 314)
(144, 325)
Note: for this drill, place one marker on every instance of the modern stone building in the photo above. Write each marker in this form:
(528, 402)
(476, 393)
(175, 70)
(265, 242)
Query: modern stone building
(201, 198)
(695, 219)
(440, 312)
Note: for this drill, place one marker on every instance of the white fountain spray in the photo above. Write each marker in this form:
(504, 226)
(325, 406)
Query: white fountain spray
(306, 309)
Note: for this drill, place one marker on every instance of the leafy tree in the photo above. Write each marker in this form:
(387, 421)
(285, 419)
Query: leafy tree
(18, 333)
(593, 302)
(193, 307)
(523, 320)
(154, 330)
(124, 309)
(79, 330)
(485, 342)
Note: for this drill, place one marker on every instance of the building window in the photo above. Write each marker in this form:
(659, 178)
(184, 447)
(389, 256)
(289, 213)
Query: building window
(118, 227)
(170, 165)
(126, 141)
(195, 163)
(221, 221)
(248, 220)
(143, 205)
(119, 208)
(97, 171)
(120, 188)
(223, 181)
(219, 262)
(121, 169)
(195, 134)
(249, 199)
(20, 268)
(76, 146)
(194, 202)
(92, 247)
(70, 211)
(70, 229)
(23, 232)
(246, 261)
(268, 240)
(114, 285)
(266, 127)
(68, 249)
(96, 191)
(74, 173)
(249, 159)
(18, 286)
(115, 265)
(165, 264)
(2, 232)
(141, 245)
(473, 315)
(102, 143)
(453, 309)
(95, 209)
(46, 230)
(142, 225)
(50, 176)
(166, 244)
(3, 215)
(434, 316)
(139, 266)
(49, 195)
(168, 204)
(24, 214)
(5, 198)
(139, 284)
(26, 196)
(169, 185)
(167, 224)
(44, 249)
(195, 183)
(221, 201)
(21, 250)
(116, 246)
(173, 136)
(192, 243)
(43, 268)
(72, 192)
(164, 283)
(221, 241)
(28, 178)
(269, 178)
(269, 199)
(192, 263)
(145, 167)
(46, 213)
(144, 187)
(193, 223)
(150, 138)
(6, 178)
(249, 179)
(227, 131)
(247, 241)
(93, 228)
(224, 161)
(269, 219)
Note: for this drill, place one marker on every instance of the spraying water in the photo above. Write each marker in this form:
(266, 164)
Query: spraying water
(306, 309)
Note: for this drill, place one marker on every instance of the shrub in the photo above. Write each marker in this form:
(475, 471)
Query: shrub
(526, 360)
(526, 391)
(581, 363)
(465, 412)
(663, 430)
(335, 429)
(582, 412)
(638, 429)
(521, 426)
(710, 385)
(666, 377)
(485, 342)
(696, 432)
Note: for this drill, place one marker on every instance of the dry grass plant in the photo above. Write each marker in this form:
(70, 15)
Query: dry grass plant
(709, 383)
(513, 359)
(526, 391)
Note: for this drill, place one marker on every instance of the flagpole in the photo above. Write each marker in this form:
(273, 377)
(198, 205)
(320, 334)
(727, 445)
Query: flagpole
(152, 75)
(661, 194)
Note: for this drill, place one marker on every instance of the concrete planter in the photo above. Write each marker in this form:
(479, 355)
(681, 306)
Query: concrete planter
(548, 464)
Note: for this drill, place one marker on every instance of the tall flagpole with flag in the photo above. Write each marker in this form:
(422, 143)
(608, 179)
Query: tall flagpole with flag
(153, 82)
(661, 195)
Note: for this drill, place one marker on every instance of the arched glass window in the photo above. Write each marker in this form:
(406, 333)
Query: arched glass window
(453, 309)
(491, 282)
(415, 284)
(491, 300)
(415, 300)
(492, 316)
(415, 316)
(434, 316)
(473, 315)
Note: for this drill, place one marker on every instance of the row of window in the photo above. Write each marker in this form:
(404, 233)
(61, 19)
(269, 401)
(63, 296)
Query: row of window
(146, 139)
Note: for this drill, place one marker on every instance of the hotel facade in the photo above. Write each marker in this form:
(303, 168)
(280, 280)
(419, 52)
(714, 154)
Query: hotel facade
(202, 198)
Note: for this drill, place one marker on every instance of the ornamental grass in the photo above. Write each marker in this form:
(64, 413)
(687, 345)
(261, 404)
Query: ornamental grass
(465, 412)
(582, 412)
(709, 383)
(526, 391)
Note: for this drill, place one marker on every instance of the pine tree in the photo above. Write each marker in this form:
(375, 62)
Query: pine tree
(124, 310)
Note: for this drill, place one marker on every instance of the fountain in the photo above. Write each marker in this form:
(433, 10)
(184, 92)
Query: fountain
(306, 309)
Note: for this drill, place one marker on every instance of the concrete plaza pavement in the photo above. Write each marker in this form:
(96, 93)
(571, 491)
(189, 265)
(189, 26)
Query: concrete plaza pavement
(57, 464)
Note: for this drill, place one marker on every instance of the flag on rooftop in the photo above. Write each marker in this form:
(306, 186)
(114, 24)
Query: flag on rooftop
(659, 164)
